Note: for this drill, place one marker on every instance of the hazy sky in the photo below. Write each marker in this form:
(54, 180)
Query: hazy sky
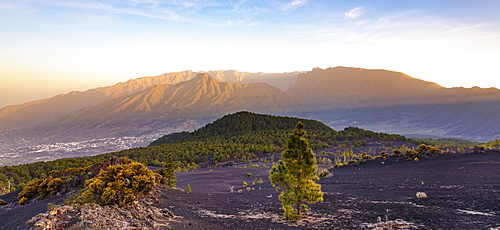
(49, 47)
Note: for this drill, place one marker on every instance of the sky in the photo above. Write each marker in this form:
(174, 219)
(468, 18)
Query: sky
(48, 47)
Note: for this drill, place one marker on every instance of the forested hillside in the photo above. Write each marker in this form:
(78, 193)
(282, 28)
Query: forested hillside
(242, 123)
(493, 144)
(238, 137)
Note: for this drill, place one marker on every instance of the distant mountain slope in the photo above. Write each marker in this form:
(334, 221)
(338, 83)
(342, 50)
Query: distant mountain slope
(281, 80)
(41, 111)
(472, 121)
(139, 84)
(393, 102)
(202, 97)
(51, 109)
(343, 87)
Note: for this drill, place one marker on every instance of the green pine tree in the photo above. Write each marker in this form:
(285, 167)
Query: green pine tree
(296, 174)
(168, 171)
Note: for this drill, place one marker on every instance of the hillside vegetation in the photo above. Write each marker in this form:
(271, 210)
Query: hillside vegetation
(243, 124)
(445, 142)
(492, 144)
(238, 137)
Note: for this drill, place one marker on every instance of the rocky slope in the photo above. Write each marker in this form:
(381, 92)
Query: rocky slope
(143, 214)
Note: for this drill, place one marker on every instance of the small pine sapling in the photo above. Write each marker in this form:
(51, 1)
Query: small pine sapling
(188, 188)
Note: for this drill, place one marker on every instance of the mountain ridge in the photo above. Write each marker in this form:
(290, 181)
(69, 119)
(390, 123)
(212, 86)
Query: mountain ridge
(379, 100)
(200, 98)
(203, 89)
(27, 114)
(345, 87)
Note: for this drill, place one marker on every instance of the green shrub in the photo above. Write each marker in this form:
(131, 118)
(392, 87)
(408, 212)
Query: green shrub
(23, 200)
(249, 175)
(41, 188)
(410, 154)
(188, 188)
(323, 172)
(421, 151)
(119, 184)
(396, 152)
(365, 157)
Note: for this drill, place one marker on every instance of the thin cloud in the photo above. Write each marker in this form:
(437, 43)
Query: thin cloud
(408, 29)
(293, 5)
(214, 13)
(162, 14)
(354, 13)
(170, 11)
(237, 4)
(196, 4)
(155, 2)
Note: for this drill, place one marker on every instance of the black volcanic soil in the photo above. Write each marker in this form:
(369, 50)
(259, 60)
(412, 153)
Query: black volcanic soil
(463, 192)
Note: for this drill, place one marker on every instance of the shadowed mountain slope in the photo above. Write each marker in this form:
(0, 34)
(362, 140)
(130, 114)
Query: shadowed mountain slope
(393, 102)
(343, 87)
